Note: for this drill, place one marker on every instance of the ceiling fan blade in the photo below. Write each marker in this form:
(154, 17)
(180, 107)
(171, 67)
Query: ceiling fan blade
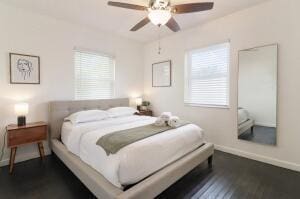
(192, 7)
(173, 25)
(140, 24)
(127, 5)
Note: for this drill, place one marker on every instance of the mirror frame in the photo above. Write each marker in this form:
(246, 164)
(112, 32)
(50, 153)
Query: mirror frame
(277, 91)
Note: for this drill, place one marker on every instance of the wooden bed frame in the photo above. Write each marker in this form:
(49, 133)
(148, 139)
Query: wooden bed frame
(95, 182)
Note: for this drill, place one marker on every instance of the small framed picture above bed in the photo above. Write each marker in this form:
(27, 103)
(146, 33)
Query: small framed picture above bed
(24, 69)
(161, 74)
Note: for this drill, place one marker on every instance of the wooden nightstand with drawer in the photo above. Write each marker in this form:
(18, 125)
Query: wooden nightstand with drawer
(145, 113)
(28, 134)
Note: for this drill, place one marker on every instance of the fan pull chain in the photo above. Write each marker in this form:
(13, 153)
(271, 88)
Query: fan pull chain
(159, 46)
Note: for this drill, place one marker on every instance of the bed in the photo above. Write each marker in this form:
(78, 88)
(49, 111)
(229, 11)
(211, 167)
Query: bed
(245, 122)
(114, 183)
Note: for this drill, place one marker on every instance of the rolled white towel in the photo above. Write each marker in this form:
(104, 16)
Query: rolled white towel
(166, 116)
(160, 122)
(174, 121)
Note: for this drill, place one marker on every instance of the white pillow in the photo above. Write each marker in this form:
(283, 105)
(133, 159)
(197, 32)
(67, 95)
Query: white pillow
(122, 111)
(87, 116)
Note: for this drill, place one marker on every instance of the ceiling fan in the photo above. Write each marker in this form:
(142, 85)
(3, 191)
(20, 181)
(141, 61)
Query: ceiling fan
(160, 12)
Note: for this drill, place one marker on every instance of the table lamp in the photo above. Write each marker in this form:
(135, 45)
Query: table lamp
(21, 110)
(138, 102)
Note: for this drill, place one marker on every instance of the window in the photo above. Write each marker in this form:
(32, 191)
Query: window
(206, 76)
(94, 76)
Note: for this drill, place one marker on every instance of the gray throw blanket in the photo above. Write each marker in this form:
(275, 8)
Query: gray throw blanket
(115, 141)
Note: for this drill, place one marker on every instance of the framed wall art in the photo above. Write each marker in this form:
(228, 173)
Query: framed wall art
(24, 69)
(161, 74)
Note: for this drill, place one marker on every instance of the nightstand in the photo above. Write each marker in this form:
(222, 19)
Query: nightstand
(146, 113)
(28, 134)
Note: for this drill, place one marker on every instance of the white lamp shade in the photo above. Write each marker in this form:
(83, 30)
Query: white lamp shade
(159, 17)
(138, 101)
(21, 109)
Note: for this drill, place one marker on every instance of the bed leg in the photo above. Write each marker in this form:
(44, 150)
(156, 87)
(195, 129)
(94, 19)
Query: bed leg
(252, 129)
(209, 161)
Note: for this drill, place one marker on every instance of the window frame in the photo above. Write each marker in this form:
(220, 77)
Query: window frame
(187, 76)
(87, 51)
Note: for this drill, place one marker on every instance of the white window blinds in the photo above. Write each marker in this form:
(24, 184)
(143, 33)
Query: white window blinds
(94, 76)
(206, 76)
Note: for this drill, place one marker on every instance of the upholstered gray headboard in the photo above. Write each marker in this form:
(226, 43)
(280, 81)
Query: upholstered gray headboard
(58, 110)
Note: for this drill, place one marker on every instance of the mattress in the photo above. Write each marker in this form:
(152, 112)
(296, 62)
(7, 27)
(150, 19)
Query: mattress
(135, 161)
(243, 115)
(245, 126)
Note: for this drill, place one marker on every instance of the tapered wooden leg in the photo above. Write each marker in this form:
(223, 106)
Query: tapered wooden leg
(41, 150)
(13, 152)
(209, 160)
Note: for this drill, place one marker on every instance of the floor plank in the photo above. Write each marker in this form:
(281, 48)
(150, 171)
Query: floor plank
(261, 134)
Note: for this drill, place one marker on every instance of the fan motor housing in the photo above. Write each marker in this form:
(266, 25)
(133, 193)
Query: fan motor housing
(159, 4)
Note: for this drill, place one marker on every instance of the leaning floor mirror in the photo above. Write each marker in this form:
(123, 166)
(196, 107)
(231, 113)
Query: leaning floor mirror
(257, 94)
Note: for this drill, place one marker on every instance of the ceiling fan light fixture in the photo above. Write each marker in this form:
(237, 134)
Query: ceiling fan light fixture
(160, 12)
(159, 17)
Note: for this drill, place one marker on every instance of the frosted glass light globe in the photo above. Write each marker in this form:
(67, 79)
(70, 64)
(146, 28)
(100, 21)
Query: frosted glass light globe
(159, 17)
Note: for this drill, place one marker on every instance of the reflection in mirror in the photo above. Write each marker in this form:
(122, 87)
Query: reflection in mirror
(257, 94)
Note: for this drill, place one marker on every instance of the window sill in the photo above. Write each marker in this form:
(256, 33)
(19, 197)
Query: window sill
(207, 106)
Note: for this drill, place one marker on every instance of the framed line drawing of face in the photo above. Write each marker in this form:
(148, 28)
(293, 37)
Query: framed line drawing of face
(24, 69)
(161, 74)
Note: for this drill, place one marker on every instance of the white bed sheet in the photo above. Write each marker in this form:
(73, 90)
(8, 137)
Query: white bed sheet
(135, 161)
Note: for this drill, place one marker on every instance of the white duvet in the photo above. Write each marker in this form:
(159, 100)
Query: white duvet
(135, 161)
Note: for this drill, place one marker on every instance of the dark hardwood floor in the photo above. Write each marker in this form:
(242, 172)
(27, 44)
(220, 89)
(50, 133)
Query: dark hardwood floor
(261, 134)
(231, 177)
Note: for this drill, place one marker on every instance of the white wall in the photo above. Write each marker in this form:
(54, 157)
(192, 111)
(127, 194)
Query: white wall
(263, 24)
(257, 85)
(53, 40)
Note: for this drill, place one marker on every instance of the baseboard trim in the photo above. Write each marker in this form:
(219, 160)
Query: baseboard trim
(265, 124)
(24, 157)
(260, 158)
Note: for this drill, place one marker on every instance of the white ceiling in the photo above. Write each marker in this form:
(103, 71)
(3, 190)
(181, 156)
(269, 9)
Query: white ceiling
(96, 14)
